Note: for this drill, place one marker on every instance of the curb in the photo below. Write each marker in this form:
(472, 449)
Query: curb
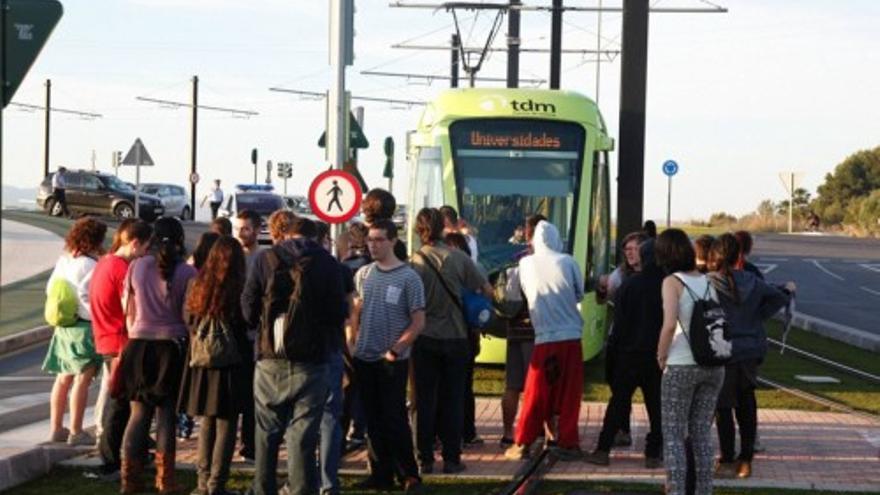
(32, 463)
(23, 339)
(849, 335)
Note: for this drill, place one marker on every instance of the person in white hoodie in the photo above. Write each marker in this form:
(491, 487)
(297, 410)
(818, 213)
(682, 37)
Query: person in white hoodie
(553, 285)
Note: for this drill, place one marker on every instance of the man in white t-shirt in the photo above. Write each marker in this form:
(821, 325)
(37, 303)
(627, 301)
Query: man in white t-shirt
(214, 198)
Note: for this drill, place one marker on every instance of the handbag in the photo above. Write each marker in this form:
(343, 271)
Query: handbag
(213, 346)
(475, 307)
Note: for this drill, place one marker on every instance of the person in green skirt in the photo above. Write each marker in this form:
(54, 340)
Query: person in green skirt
(72, 356)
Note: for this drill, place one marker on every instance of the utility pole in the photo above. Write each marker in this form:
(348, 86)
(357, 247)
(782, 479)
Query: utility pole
(555, 44)
(633, 85)
(194, 146)
(790, 202)
(598, 48)
(456, 46)
(341, 54)
(513, 42)
(46, 131)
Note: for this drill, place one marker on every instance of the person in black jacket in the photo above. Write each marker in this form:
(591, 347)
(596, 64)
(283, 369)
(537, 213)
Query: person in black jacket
(290, 383)
(747, 301)
(638, 317)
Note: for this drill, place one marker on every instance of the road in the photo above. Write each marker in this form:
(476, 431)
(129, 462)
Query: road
(838, 278)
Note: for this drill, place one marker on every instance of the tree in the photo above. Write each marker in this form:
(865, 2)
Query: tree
(766, 208)
(856, 177)
(721, 218)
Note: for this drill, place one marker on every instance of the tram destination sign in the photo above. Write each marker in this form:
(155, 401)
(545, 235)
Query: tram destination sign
(520, 134)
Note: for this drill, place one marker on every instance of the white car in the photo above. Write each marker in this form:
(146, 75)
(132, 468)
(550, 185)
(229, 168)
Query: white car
(174, 198)
(258, 198)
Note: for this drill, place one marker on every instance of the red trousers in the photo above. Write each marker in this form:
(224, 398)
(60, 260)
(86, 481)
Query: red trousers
(554, 386)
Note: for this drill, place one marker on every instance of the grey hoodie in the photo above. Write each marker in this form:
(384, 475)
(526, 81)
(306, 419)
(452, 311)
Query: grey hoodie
(755, 301)
(553, 285)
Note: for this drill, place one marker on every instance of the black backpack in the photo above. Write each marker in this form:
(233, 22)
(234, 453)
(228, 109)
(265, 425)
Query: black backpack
(288, 327)
(708, 333)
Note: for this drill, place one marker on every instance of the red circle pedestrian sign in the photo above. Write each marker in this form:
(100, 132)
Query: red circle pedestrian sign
(335, 196)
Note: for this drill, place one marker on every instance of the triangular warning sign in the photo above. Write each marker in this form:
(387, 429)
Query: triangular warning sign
(138, 155)
(356, 137)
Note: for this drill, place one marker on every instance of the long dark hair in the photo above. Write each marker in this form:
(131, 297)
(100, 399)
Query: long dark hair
(200, 253)
(216, 291)
(674, 252)
(429, 225)
(168, 241)
(723, 256)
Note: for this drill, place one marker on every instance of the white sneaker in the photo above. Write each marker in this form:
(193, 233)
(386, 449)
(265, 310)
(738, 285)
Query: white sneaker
(81, 438)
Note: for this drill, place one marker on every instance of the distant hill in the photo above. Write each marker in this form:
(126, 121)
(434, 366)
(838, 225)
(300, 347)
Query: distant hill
(20, 197)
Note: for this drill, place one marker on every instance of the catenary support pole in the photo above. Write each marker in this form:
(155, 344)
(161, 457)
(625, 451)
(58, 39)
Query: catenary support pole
(633, 85)
(556, 44)
(453, 81)
(194, 146)
(46, 129)
(513, 42)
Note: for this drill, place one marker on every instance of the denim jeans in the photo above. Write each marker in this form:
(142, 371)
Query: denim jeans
(288, 402)
(331, 429)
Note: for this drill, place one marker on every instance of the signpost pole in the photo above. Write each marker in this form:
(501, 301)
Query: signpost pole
(194, 145)
(668, 202)
(137, 183)
(341, 32)
(3, 59)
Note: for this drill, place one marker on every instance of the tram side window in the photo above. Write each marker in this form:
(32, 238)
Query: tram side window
(598, 255)
(428, 180)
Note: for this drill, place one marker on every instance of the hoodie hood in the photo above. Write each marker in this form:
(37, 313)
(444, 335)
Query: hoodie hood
(745, 284)
(546, 238)
(291, 249)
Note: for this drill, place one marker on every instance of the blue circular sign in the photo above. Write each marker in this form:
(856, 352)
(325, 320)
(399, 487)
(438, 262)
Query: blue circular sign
(670, 167)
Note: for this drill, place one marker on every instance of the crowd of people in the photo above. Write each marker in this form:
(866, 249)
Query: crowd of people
(320, 343)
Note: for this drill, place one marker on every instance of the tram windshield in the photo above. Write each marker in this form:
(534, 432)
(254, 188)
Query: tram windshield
(508, 169)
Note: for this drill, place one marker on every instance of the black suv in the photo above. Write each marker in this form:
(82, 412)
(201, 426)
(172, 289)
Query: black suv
(98, 193)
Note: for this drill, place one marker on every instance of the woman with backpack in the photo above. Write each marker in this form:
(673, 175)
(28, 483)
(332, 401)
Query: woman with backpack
(209, 390)
(153, 360)
(72, 356)
(688, 391)
(747, 301)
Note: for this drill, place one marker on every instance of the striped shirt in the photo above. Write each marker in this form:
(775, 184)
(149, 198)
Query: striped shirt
(388, 300)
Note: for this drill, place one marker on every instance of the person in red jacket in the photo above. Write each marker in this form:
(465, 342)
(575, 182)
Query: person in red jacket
(108, 326)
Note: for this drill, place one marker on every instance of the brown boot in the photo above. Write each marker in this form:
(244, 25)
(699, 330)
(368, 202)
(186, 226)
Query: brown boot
(165, 473)
(130, 476)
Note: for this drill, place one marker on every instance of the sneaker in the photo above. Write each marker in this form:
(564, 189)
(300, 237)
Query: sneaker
(622, 439)
(653, 462)
(568, 454)
(725, 470)
(247, 456)
(598, 457)
(370, 483)
(59, 436)
(453, 467)
(426, 468)
(744, 469)
(517, 452)
(505, 442)
(81, 438)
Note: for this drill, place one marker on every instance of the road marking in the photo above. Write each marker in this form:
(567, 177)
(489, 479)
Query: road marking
(774, 260)
(816, 263)
(872, 291)
(14, 379)
(766, 267)
(874, 267)
(20, 402)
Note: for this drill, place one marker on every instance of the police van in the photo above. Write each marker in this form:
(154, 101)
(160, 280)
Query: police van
(255, 197)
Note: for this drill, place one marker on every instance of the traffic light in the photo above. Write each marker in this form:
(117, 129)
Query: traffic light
(117, 158)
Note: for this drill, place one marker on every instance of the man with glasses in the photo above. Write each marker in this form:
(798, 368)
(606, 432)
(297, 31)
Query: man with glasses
(389, 312)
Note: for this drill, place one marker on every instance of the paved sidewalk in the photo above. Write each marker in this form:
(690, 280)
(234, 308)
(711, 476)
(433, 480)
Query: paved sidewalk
(27, 251)
(805, 450)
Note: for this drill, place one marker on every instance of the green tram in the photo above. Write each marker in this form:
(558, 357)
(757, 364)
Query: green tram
(499, 155)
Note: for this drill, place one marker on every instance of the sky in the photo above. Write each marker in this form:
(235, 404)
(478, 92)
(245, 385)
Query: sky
(735, 98)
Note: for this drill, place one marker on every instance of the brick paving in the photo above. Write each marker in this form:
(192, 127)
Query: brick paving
(830, 451)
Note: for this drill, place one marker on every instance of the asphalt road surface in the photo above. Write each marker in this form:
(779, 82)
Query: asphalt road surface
(838, 278)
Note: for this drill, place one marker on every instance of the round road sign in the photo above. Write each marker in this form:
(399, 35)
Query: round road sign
(335, 196)
(670, 167)
(194, 178)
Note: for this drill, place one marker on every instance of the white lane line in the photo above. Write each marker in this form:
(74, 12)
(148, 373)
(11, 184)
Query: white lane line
(819, 266)
(871, 291)
(19, 402)
(15, 379)
(766, 267)
(874, 267)
(773, 260)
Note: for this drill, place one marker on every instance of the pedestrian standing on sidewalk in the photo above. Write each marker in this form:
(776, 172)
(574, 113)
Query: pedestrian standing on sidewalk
(108, 326)
(638, 316)
(688, 392)
(388, 316)
(72, 357)
(440, 353)
(553, 285)
(215, 197)
(295, 296)
(59, 190)
(747, 302)
(153, 360)
(209, 391)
